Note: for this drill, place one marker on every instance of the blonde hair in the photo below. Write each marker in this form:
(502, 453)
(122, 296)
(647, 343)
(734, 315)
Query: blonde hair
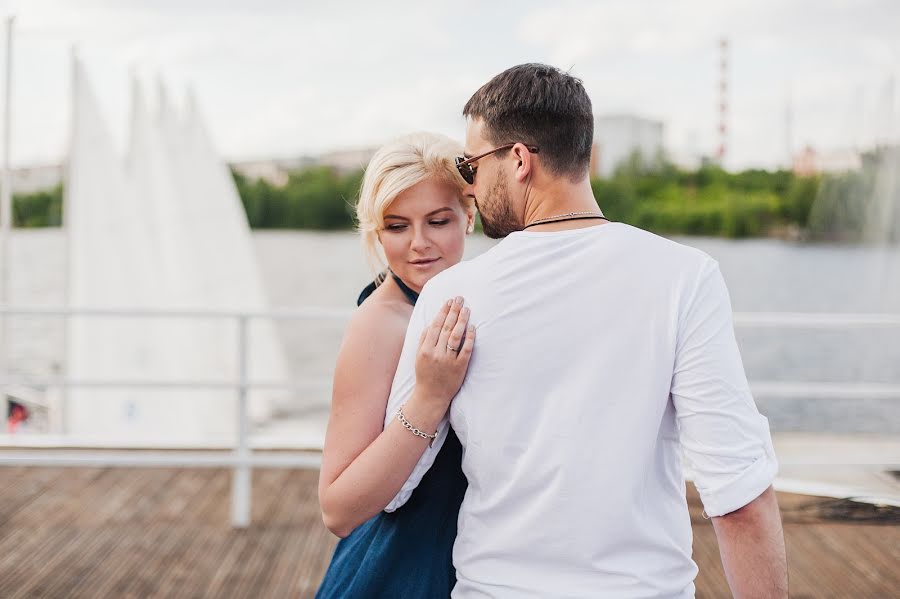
(396, 167)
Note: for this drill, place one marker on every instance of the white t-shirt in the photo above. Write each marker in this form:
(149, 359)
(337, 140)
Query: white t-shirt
(602, 354)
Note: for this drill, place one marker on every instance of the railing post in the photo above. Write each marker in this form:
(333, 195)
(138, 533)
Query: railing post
(240, 482)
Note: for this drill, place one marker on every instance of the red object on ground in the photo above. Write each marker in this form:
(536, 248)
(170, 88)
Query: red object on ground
(17, 415)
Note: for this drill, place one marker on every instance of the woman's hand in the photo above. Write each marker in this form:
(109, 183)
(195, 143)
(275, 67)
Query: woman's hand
(443, 357)
(365, 463)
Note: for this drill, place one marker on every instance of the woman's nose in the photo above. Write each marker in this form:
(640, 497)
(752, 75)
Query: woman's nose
(420, 240)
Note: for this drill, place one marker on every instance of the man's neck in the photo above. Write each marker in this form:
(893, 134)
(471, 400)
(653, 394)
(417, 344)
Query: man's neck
(562, 199)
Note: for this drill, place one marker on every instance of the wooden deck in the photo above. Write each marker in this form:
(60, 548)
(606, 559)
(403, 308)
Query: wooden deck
(115, 532)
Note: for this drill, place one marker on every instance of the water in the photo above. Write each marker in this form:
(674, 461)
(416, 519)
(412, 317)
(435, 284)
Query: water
(327, 269)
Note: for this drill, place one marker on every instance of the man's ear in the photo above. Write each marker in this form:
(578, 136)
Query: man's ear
(525, 160)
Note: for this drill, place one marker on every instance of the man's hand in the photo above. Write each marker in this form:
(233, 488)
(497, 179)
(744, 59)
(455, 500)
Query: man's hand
(751, 544)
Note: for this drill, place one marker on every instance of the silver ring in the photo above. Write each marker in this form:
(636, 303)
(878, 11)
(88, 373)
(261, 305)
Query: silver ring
(451, 348)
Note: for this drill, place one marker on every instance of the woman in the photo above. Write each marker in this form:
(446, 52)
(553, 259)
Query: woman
(413, 205)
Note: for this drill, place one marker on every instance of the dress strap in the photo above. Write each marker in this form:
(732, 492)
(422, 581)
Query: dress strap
(370, 289)
(411, 295)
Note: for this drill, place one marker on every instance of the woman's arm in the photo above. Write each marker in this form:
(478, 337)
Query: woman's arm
(364, 465)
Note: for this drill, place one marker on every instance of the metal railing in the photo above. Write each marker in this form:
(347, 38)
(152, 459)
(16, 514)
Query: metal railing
(824, 321)
(241, 459)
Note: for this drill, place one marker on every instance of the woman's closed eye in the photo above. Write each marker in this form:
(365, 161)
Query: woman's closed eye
(396, 227)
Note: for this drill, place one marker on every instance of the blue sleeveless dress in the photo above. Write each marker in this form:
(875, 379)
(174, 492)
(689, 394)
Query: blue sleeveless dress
(406, 554)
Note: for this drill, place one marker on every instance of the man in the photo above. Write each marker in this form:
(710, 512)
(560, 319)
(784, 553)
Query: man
(603, 354)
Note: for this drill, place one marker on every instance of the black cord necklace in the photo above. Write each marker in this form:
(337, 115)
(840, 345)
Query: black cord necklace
(565, 217)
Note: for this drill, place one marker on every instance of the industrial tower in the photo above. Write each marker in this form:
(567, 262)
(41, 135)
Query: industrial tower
(723, 101)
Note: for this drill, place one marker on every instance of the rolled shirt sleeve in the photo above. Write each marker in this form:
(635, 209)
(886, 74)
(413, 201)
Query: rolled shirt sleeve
(726, 441)
(401, 391)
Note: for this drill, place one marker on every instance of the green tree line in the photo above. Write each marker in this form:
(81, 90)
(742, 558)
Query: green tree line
(664, 199)
(38, 209)
(312, 198)
(656, 196)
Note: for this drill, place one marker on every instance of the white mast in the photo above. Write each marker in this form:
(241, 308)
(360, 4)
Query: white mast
(6, 203)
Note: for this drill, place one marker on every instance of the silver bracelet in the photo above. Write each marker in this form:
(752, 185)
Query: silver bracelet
(408, 426)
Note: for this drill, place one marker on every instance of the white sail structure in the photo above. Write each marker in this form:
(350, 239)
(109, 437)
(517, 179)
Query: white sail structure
(162, 229)
(192, 349)
(231, 276)
(104, 272)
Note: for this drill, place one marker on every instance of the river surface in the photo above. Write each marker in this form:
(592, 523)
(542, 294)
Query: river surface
(327, 269)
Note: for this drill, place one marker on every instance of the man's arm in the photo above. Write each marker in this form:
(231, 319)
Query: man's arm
(751, 544)
(726, 442)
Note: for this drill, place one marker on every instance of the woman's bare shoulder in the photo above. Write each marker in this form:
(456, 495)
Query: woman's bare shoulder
(367, 362)
(376, 332)
(381, 317)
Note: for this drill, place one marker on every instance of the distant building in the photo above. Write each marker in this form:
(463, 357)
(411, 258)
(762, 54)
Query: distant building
(347, 160)
(36, 178)
(277, 171)
(274, 171)
(809, 161)
(617, 137)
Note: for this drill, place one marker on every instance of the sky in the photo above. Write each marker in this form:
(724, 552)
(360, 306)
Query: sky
(283, 78)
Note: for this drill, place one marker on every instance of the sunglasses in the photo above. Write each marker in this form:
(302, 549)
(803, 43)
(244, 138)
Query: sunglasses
(465, 168)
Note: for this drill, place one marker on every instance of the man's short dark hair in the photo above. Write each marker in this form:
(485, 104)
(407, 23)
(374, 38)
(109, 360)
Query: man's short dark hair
(540, 105)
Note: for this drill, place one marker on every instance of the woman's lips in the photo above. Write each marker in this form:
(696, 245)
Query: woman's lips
(423, 263)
